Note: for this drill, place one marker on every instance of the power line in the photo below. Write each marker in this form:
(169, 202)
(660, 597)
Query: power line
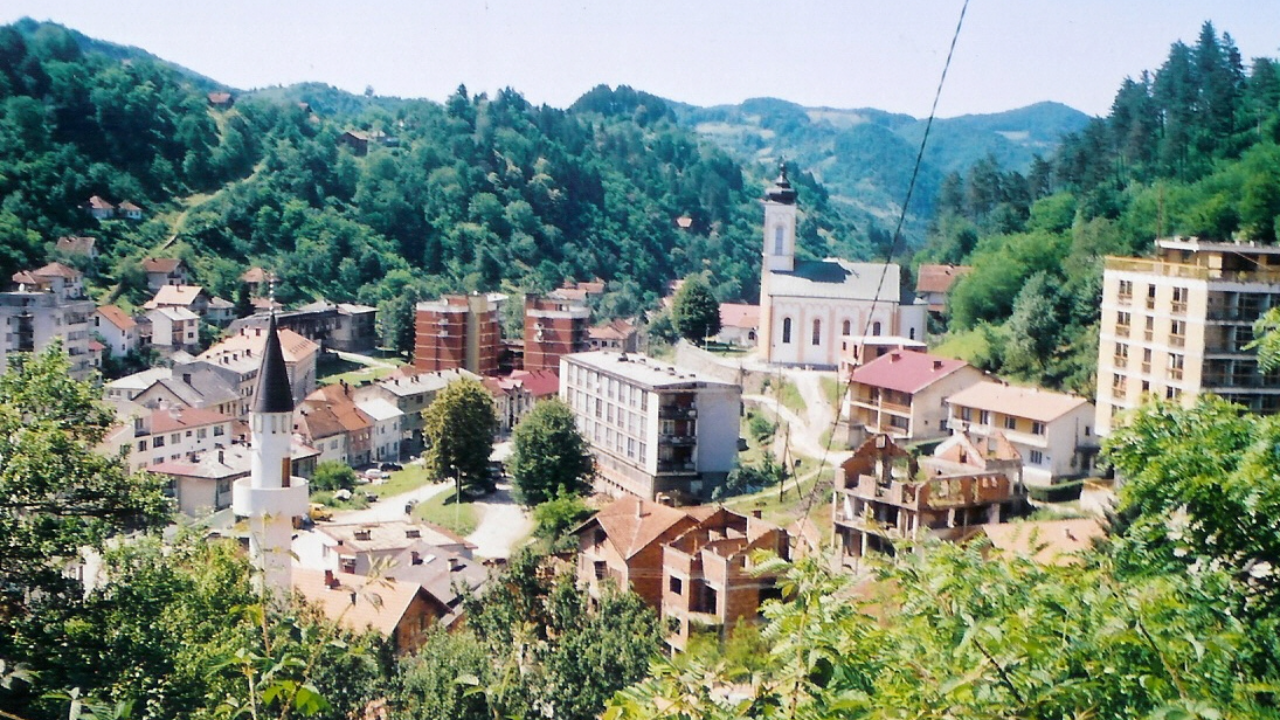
(893, 249)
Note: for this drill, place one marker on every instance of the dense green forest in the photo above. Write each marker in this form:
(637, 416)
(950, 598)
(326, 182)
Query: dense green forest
(1189, 149)
(477, 193)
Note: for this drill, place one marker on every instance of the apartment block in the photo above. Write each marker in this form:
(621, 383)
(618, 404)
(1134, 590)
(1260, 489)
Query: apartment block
(553, 328)
(654, 428)
(1178, 324)
(459, 331)
(48, 305)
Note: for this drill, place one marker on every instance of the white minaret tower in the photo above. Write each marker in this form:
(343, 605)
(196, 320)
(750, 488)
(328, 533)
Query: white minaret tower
(780, 225)
(271, 497)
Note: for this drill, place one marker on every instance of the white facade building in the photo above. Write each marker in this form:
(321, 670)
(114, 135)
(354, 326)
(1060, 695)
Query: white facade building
(654, 428)
(806, 307)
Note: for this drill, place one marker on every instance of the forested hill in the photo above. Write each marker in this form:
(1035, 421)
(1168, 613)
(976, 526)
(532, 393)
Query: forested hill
(477, 193)
(1189, 148)
(865, 156)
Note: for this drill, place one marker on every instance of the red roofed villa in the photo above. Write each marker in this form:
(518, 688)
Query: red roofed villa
(901, 394)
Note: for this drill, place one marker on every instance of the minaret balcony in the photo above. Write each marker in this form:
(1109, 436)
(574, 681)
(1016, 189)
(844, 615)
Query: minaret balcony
(249, 501)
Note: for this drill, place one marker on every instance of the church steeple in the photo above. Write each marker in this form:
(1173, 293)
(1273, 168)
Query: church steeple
(780, 225)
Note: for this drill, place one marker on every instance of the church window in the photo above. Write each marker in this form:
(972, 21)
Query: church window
(817, 332)
(875, 328)
(786, 331)
(912, 334)
(845, 328)
(778, 236)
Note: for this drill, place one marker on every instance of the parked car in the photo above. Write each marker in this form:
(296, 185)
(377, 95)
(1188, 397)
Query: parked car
(390, 467)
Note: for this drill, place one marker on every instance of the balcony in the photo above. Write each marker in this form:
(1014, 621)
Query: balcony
(1191, 272)
(677, 466)
(1177, 341)
(1146, 367)
(1120, 361)
(677, 412)
(678, 440)
(1178, 308)
(1148, 335)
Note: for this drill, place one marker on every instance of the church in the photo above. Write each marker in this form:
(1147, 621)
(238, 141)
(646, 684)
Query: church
(812, 311)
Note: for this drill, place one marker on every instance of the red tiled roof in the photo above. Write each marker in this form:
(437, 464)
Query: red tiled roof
(57, 269)
(161, 265)
(175, 295)
(615, 330)
(1049, 542)
(539, 383)
(76, 244)
(219, 98)
(117, 317)
(128, 206)
(96, 346)
(169, 420)
(254, 275)
(97, 203)
(939, 278)
(907, 372)
(631, 530)
(358, 601)
(739, 316)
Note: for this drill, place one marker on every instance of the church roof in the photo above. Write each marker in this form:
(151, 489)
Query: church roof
(274, 394)
(837, 280)
(781, 192)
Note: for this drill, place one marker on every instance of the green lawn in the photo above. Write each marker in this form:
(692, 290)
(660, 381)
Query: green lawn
(831, 390)
(411, 477)
(790, 397)
(441, 510)
(331, 369)
(325, 497)
(966, 345)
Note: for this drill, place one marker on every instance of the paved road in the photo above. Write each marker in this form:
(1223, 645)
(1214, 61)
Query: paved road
(503, 525)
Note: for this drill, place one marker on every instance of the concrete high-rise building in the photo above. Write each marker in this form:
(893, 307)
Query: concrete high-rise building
(271, 497)
(552, 329)
(459, 331)
(47, 305)
(1178, 324)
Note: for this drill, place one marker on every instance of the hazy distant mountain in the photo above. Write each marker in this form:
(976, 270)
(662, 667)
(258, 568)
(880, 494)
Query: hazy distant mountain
(865, 156)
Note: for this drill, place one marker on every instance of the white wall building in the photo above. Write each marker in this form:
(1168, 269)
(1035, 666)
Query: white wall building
(47, 305)
(654, 428)
(806, 307)
(1052, 431)
(387, 428)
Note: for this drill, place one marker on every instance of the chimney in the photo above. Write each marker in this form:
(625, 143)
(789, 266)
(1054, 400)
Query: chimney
(416, 557)
(937, 364)
(639, 508)
(454, 564)
(895, 356)
(329, 580)
(257, 332)
(757, 513)
(186, 378)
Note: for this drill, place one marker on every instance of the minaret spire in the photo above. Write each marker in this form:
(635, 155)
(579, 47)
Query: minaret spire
(271, 497)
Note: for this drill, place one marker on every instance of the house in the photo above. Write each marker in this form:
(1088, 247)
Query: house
(174, 328)
(884, 496)
(934, 282)
(387, 430)
(510, 400)
(201, 481)
(220, 312)
(241, 354)
(739, 324)
(100, 209)
(356, 140)
(401, 611)
(342, 326)
(48, 305)
(119, 332)
(191, 297)
(164, 271)
(1051, 431)
(711, 580)
(221, 100)
(192, 386)
(256, 278)
(411, 392)
(579, 292)
(130, 386)
(654, 428)
(442, 573)
(360, 547)
(331, 410)
(617, 335)
(1047, 542)
(78, 246)
(806, 307)
(129, 210)
(168, 434)
(623, 543)
(902, 394)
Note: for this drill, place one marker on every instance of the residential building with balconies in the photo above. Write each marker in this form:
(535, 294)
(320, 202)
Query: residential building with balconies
(458, 331)
(1179, 324)
(47, 305)
(654, 428)
(552, 329)
(903, 393)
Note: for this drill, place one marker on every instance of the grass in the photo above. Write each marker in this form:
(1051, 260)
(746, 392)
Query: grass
(331, 369)
(325, 497)
(967, 345)
(790, 397)
(441, 510)
(411, 477)
(831, 390)
(790, 506)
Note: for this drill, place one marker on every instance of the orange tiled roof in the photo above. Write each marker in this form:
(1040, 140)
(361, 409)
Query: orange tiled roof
(117, 317)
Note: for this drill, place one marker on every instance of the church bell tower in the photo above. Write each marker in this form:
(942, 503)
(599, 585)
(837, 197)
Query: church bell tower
(780, 225)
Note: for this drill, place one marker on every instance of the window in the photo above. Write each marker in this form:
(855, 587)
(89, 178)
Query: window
(675, 585)
(875, 328)
(1126, 289)
(966, 414)
(142, 446)
(175, 438)
(158, 442)
(984, 418)
(779, 238)
(1037, 457)
(1123, 319)
(786, 331)
(1037, 428)
(817, 332)
(599, 569)
(845, 327)
(1010, 423)
(202, 433)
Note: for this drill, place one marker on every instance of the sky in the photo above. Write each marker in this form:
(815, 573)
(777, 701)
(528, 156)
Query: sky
(885, 54)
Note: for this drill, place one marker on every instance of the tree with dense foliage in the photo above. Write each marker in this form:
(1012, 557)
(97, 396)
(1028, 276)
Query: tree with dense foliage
(60, 495)
(333, 475)
(458, 428)
(695, 311)
(550, 458)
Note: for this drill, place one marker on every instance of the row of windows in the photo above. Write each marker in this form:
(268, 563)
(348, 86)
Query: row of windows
(612, 440)
(1009, 422)
(816, 337)
(610, 387)
(1120, 387)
